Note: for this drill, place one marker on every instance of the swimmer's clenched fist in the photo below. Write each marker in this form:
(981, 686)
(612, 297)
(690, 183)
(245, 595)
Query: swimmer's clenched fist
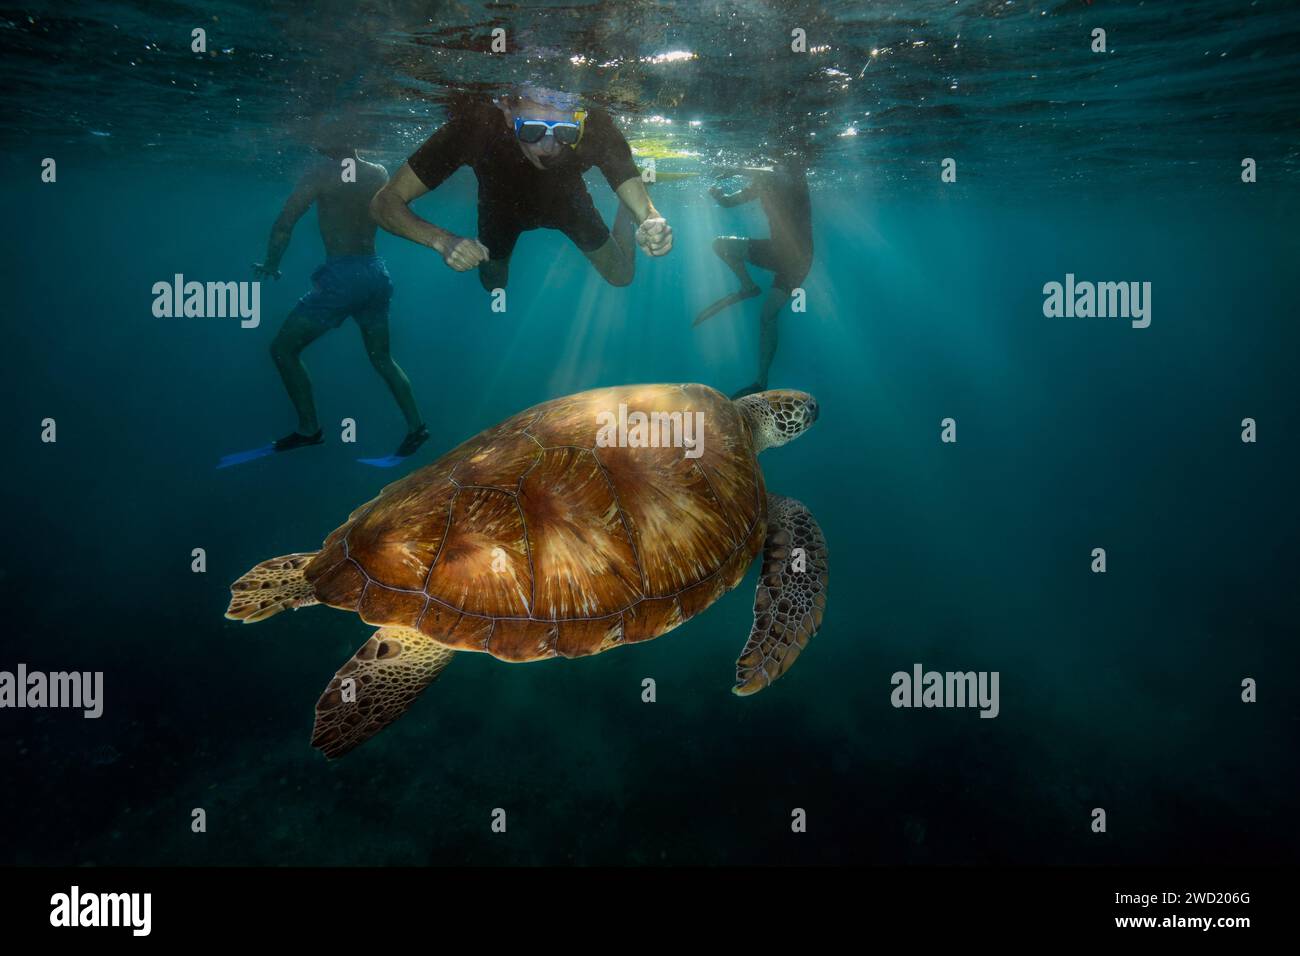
(463, 254)
(655, 236)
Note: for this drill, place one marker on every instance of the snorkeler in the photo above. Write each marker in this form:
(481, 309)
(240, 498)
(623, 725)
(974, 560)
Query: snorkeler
(528, 150)
(352, 282)
(783, 191)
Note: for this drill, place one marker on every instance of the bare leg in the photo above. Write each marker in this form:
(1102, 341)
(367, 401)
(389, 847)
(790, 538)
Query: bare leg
(375, 337)
(732, 251)
(767, 333)
(767, 339)
(616, 259)
(286, 350)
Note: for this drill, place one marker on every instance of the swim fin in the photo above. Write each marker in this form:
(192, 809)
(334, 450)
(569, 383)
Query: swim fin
(298, 440)
(410, 444)
(239, 457)
(288, 443)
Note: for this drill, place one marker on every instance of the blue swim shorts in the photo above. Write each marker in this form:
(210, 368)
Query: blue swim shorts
(358, 286)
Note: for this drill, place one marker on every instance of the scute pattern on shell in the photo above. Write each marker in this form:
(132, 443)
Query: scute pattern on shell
(530, 541)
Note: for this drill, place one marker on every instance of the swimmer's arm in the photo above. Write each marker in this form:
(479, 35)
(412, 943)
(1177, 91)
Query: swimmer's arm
(299, 201)
(739, 198)
(759, 179)
(391, 209)
(653, 234)
(634, 196)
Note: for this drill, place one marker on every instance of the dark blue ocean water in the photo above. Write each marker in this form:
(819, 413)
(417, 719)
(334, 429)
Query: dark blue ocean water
(1118, 690)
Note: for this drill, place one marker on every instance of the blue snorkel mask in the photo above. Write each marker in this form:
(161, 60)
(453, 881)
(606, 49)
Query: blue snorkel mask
(566, 132)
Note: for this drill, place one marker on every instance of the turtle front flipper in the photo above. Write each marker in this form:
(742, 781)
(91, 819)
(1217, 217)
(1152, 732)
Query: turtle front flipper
(376, 687)
(271, 587)
(791, 595)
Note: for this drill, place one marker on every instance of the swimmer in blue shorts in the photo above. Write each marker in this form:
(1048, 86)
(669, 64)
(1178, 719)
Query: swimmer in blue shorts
(352, 282)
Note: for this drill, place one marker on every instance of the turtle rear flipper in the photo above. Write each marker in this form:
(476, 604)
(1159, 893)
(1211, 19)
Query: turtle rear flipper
(791, 595)
(271, 587)
(376, 687)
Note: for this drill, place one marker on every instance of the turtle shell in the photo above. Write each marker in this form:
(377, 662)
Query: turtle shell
(541, 537)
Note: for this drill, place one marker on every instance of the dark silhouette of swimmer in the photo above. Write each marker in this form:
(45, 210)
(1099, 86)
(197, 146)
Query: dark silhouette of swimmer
(528, 151)
(352, 282)
(783, 191)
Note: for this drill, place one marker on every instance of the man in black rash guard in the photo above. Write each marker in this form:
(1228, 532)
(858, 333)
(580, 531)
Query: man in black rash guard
(528, 151)
(783, 192)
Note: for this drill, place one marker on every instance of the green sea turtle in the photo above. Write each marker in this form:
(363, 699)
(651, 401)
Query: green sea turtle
(582, 524)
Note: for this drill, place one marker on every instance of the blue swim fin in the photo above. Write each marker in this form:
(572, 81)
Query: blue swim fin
(388, 461)
(239, 457)
(410, 444)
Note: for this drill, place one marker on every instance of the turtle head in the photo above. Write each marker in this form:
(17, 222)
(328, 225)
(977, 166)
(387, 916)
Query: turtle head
(777, 416)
